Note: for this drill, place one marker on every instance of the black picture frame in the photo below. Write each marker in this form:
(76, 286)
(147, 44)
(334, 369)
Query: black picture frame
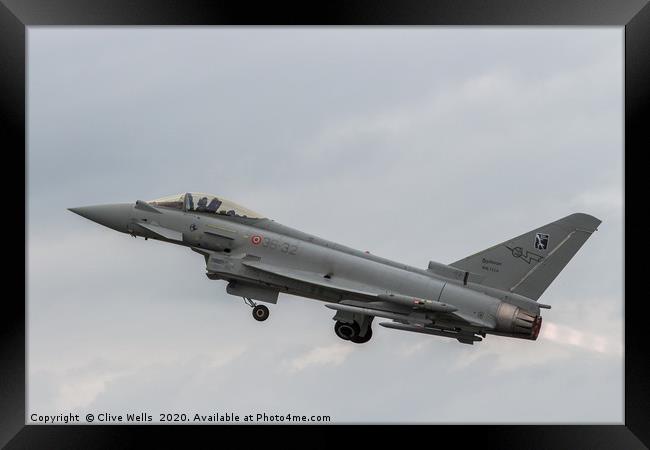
(634, 15)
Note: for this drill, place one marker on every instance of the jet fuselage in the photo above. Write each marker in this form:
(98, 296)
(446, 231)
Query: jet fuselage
(260, 258)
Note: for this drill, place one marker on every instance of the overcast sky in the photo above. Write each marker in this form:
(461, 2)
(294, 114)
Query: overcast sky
(416, 144)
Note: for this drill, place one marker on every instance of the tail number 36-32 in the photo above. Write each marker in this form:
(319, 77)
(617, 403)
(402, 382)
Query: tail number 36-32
(284, 247)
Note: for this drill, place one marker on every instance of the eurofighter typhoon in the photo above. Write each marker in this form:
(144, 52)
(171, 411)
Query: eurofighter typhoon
(494, 291)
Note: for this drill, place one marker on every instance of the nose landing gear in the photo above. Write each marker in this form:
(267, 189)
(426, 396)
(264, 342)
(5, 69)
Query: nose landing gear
(260, 312)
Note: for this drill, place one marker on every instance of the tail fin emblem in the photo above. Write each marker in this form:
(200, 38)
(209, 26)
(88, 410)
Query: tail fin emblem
(527, 256)
(541, 241)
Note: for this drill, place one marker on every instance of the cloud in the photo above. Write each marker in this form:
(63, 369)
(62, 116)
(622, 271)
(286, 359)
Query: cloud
(607, 200)
(383, 140)
(80, 387)
(333, 355)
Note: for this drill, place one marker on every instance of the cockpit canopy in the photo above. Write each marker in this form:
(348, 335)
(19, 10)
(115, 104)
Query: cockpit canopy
(205, 203)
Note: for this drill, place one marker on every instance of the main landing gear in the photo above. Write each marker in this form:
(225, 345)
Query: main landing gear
(352, 332)
(260, 312)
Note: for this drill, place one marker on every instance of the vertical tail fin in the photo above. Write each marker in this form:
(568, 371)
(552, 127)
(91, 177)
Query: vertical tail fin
(529, 263)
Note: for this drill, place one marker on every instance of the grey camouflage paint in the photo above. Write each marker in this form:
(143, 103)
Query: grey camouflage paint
(491, 292)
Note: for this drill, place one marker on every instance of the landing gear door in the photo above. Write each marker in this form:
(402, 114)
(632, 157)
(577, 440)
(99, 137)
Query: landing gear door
(263, 294)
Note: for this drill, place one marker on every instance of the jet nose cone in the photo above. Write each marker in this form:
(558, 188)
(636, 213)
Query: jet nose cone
(115, 216)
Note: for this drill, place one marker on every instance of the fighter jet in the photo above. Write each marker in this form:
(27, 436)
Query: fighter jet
(494, 291)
